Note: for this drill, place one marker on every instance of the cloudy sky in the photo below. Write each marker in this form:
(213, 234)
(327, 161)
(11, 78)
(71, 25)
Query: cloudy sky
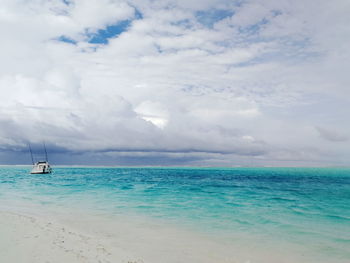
(176, 82)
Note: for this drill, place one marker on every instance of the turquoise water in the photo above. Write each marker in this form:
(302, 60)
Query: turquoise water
(308, 207)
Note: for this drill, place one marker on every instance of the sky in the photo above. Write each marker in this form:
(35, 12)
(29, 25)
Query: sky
(181, 82)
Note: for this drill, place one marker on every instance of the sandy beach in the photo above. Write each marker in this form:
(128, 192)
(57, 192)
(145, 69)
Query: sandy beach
(30, 239)
(33, 239)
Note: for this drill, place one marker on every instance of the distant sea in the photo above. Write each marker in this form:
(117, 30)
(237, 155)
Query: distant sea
(307, 209)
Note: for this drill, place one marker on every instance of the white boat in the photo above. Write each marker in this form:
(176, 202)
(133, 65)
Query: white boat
(42, 167)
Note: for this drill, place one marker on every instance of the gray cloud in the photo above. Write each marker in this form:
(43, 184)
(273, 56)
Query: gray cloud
(332, 135)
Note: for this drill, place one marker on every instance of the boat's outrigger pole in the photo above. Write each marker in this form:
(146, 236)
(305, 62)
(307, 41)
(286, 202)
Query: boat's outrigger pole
(45, 152)
(31, 153)
(40, 167)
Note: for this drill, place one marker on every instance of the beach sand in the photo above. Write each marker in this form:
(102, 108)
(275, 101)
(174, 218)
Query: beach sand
(30, 239)
(26, 238)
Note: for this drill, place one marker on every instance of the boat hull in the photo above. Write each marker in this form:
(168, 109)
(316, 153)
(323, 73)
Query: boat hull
(41, 168)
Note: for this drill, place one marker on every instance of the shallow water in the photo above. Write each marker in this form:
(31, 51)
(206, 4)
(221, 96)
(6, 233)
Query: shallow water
(306, 208)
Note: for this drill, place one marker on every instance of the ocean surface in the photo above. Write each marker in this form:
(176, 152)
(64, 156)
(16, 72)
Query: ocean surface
(306, 209)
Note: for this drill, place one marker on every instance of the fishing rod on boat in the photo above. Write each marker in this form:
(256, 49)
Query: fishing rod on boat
(40, 167)
(45, 152)
(31, 153)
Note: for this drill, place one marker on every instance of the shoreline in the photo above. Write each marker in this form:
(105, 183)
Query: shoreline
(28, 238)
(78, 237)
(34, 239)
(31, 238)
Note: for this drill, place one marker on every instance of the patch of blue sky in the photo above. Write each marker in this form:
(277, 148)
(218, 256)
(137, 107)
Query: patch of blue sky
(103, 35)
(209, 17)
(67, 40)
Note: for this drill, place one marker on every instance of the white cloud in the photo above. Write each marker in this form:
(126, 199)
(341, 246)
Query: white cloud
(255, 84)
(153, 112)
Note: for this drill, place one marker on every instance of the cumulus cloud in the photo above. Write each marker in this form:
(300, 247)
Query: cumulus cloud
(214, 82)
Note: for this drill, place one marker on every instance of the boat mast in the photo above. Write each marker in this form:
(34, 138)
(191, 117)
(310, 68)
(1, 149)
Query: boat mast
(45, 152)
(31, 153)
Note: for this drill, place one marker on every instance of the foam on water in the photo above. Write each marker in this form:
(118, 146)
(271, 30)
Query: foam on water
(305, 208)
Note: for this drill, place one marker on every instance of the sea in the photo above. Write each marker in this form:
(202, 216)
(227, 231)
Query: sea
(304, 209)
